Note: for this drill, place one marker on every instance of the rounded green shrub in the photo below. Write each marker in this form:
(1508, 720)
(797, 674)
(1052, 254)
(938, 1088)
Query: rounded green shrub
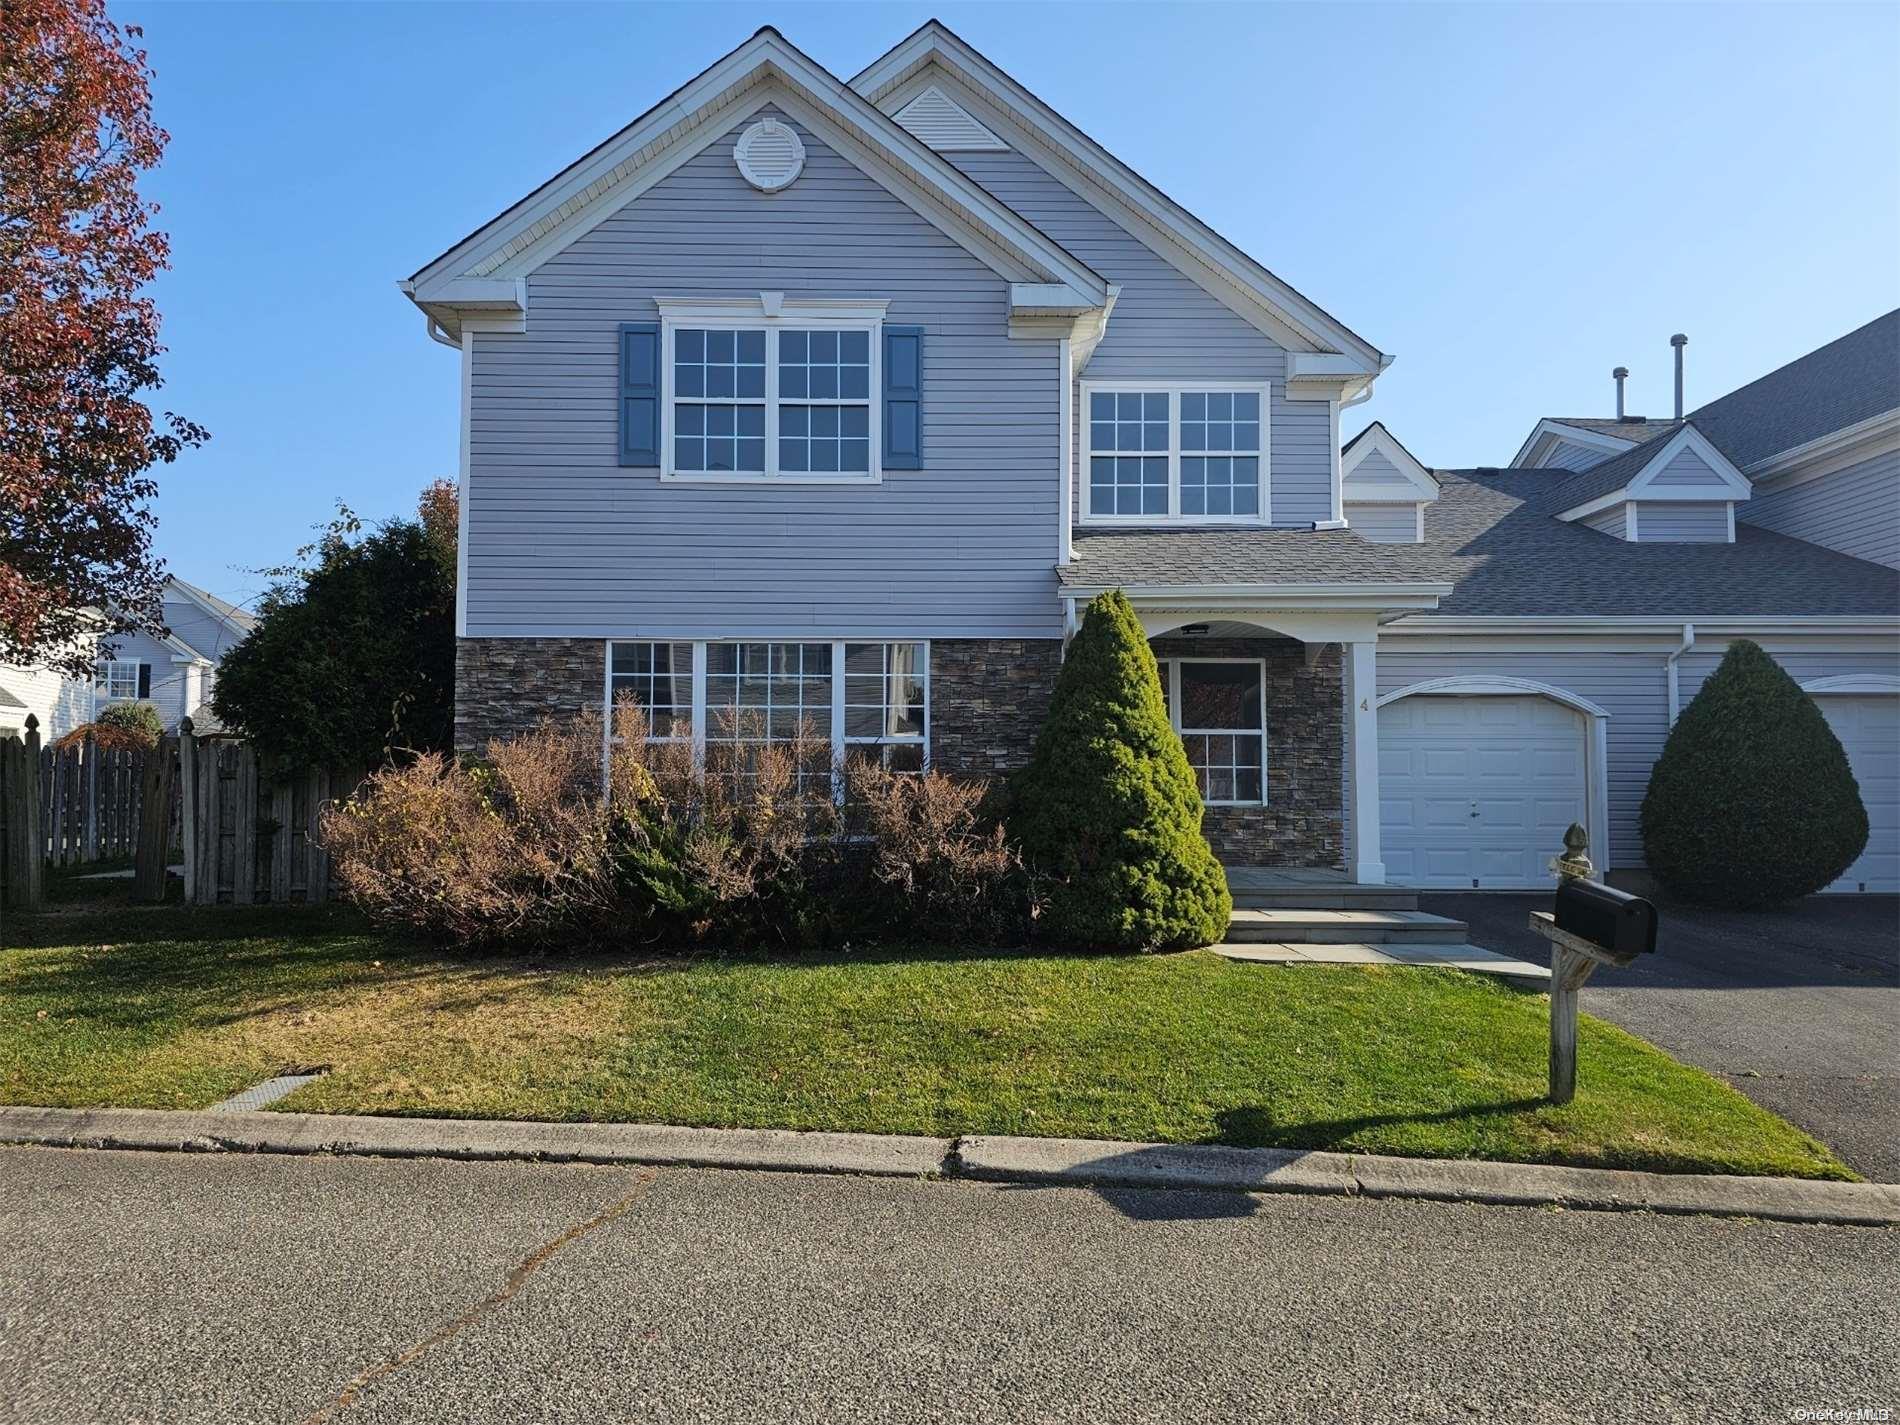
(1752, 802)
(1107, 811)
(140, 719)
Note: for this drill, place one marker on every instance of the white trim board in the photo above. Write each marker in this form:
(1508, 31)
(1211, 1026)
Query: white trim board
(1576, 435)
(1644, 484)
(1417, 483)
(1173, 453)
(1853, 683)
(1270, 300)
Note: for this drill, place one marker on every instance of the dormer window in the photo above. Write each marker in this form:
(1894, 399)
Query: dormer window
(1194, 452)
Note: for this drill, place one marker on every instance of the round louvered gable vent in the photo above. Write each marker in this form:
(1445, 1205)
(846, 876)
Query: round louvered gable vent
(769, 155)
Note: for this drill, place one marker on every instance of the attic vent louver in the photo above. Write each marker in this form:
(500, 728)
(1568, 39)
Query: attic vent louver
(769, 155)
(945, 125)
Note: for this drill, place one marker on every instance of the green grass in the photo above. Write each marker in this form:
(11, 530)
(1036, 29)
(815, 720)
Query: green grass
(178, 1008)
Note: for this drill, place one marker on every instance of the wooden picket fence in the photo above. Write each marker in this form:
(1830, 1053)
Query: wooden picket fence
(247, 839)
(251, 839)
(90, 799)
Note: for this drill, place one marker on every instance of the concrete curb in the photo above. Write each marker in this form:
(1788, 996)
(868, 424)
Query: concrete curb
(1075, 1161)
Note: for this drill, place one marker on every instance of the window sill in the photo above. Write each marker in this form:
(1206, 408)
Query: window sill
(696, 478)
(1175, 521)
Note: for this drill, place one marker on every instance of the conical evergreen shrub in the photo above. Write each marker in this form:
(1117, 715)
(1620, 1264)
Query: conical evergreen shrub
(1752, 802)
(1108, 809)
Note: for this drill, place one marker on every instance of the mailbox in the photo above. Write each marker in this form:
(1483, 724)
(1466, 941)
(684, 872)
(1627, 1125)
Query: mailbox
(1622, 924)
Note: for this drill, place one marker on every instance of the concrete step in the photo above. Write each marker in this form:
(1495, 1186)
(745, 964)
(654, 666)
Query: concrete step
(1343, 927)
(1341, 898)
(1434, 956)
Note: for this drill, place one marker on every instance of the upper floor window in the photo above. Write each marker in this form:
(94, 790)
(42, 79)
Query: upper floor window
(119, 679)
(1193, 451)
(787, 395)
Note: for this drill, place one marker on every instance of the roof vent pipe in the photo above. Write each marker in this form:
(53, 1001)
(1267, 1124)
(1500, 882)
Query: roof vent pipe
(1678, 341)
(1621, 374)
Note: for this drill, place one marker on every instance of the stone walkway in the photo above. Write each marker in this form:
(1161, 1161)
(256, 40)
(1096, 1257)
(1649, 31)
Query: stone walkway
(1438, 956)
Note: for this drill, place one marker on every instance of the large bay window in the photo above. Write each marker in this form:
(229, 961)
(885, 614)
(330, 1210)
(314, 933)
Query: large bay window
(840, 697)
(1189, 451)
(785, 393)
(1218, 706)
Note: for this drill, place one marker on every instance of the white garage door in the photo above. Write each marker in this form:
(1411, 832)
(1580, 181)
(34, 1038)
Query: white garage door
(1478, 791)
(1868, 725)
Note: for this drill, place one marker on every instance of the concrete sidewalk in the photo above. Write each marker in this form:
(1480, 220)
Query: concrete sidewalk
(996, 1159)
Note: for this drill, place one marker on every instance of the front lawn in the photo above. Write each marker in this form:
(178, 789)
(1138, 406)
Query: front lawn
(173, 1008)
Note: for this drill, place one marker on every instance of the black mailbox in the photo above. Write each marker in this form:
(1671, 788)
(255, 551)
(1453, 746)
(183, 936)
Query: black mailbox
(1623, 924)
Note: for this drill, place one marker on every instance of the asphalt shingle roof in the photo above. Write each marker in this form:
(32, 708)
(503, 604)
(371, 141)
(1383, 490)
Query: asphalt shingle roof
(1635, 428)
(1835, 386)
(1562, 492)
(1489, 534)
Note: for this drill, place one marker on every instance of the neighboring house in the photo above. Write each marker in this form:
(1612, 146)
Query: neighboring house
(832, 402)
(175, 673)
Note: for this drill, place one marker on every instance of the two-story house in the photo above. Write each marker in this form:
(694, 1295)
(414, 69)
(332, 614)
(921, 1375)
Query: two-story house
(175, 672)
(830, 402)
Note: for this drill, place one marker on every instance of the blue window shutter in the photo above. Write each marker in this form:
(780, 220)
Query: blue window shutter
(639, 393)
(145, 680)
(903, 398)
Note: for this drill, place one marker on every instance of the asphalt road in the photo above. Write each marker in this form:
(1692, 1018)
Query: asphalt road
(184, 1288)
(1799, 1009)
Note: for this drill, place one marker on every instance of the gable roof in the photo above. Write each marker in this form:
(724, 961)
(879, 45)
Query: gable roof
(1492, 539)
(1202, 252)
(1834, 387)
(1415, 482)
(485, 270)
(1626, 473)
(212, 604)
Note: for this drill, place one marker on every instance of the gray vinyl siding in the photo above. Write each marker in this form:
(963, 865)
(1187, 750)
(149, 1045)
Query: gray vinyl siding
(1682, 522)
(1384, 524)
(1633, 688)
(204, 632)
(1567, 455)
(1855, 510)
(1373, 469)
(169, 690)
(1168, 327)
(1614, 521)
(562, 541)
(1688, 470)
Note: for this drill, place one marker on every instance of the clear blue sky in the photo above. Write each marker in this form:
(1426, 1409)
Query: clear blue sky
(1511, 199)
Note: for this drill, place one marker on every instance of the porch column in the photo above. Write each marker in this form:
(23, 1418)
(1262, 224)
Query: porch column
(1363, 862)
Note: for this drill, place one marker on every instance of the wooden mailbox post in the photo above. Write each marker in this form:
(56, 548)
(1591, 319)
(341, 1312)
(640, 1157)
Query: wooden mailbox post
(1574, 958)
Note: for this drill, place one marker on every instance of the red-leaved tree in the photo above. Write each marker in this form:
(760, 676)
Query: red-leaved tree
(78, 344)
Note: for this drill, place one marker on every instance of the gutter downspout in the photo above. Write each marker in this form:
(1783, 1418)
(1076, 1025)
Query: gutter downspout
(1669, 664)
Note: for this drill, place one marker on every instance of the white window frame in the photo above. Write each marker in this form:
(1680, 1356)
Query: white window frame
(841, 744)
(1171, 671)
(771, 312)
(1173, 390)
(115, 667)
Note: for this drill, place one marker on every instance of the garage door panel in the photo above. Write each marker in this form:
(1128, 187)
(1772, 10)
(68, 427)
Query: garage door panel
(1478, 789)
(1868, 725)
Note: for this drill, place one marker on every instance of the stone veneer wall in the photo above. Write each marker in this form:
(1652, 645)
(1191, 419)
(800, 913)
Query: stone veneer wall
(987, 700)
(504, 686)
(1301, 824)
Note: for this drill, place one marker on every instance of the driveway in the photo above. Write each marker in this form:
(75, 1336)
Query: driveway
(1798, 1008)
(221, 1288)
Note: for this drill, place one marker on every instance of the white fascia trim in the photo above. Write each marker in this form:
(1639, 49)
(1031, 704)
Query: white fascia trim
(1643, 486)
(1576, 435)
(1816, 458)
(1853, 683)
(1272, 596)
(1266, 293)
(1486, 684)
(1706, 626)
(593, 181)
(771, 306)
(1419, 484)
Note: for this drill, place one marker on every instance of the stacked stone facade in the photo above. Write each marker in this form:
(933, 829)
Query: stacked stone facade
(988, 698)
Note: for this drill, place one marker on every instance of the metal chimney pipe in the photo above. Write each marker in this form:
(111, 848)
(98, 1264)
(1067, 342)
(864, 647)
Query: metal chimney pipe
(1678, 341)
(1621, 374)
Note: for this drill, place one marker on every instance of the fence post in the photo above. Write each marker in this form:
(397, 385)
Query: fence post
(189, 829)
(154, 823)
(244, 829)
(27, 878)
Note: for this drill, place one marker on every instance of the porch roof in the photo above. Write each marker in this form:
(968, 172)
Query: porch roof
(1317, 562)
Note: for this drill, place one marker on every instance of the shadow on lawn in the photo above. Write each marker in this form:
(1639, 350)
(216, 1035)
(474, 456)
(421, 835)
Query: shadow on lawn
(1255, 1127)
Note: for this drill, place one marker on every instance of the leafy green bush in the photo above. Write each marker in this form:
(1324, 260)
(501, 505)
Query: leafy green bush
(1108, 808)
(1752, 802)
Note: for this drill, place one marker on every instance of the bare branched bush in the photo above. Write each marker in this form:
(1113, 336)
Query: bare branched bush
(740, 843)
